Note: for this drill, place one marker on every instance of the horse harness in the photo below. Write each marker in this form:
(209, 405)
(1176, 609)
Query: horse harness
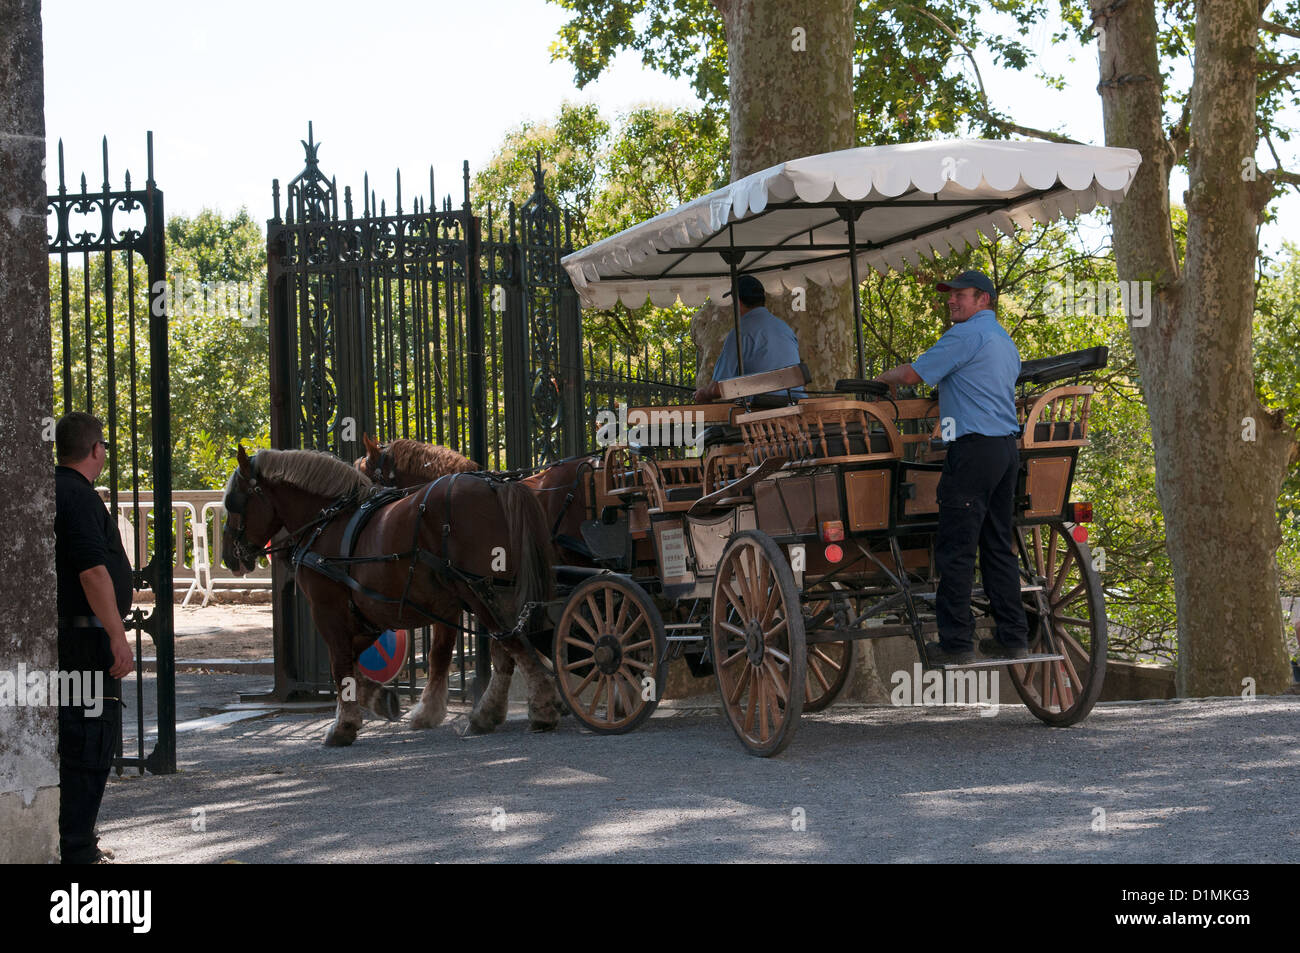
(485, 588)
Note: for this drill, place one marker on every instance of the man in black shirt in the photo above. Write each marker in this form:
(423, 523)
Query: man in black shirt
(94, 592)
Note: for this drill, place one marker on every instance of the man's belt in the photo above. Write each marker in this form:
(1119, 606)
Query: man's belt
(80, 622)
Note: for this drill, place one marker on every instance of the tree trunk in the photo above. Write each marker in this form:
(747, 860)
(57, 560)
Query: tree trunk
(791, 85)
(29, 795)
(1220, 456)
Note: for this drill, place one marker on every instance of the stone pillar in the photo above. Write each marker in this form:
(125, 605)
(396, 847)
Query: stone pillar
(29, 775)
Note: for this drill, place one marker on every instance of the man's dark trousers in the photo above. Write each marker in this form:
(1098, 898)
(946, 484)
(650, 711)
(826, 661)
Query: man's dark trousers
(976, 508)
(86, 749)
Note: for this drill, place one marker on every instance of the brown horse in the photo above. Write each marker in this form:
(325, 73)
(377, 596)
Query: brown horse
(381, 465)
(446, 549)
(563, 489)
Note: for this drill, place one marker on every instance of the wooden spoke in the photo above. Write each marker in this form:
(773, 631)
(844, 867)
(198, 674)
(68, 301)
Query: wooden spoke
(595, 698)
(741, 684)
(761, 680)
(773, 599)
(815, 671)
(733, 629)
(585, 646)
(588, 680)
(771, 633)
(1070, 620)
(731, 660)
(778, 680)
(1061, 575)
(636, 663)
(577, 617)
(622, 617)
(625, 633)
(638, 646)
(596, 614)
(778, 655)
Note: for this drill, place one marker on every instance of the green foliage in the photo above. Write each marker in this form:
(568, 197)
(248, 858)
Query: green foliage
(219, 360)
(607, 177)
(1277, 381)
(219, 356)
(676, 37)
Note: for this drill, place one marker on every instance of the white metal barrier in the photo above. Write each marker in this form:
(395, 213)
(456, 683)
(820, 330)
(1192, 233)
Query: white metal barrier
(197, 516)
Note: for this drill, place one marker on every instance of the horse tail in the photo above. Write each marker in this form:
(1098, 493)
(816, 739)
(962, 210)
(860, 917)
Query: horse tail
(531, 541)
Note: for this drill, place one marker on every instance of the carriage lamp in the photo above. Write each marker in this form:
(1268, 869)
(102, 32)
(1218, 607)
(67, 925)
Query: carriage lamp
(1081, 512)
(833, 553)
(832, 532)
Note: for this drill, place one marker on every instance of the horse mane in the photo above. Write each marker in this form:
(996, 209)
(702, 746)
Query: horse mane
(412, 457)
(312, 471)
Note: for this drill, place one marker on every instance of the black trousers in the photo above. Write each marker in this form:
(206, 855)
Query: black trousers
(976, 508)
(86, 749)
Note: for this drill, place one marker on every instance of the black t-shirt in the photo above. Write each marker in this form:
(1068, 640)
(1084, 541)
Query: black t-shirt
(85, 536)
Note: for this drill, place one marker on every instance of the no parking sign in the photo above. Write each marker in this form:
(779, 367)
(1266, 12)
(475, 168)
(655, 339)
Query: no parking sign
(385, 658)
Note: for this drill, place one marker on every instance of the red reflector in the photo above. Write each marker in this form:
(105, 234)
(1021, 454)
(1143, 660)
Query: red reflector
(832, 531)
(1081, 512)
(1080, 534)
(833, 553)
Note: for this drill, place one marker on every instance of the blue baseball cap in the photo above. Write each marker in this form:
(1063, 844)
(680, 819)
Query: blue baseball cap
(969, 279)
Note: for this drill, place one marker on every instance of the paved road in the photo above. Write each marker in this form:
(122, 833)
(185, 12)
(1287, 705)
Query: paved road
(1206, 780)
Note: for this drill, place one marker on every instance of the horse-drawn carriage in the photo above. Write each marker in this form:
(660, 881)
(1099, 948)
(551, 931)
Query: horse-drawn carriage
(810, 525)
(802, 529)
(792, 528)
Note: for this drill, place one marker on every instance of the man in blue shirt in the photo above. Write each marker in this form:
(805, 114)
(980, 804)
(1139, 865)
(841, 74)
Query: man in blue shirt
(766, 341)
(974, 366)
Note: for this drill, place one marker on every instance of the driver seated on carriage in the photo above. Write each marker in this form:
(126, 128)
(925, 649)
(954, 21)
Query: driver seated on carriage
(766, 342)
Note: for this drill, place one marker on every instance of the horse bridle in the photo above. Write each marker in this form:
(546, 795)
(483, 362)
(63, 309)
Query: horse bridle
(234, 503)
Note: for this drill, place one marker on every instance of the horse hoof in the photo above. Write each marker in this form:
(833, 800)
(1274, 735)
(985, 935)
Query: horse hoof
(340, 738)
(422, 718)
(481, 726)
(388, 706)
(543, 725)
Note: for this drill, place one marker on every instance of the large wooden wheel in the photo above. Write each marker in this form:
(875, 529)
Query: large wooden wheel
(759, 654)
(610, 654)
(1071, 604)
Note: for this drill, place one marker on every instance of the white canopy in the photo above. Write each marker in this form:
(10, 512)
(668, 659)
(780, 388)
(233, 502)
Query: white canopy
(907, 201)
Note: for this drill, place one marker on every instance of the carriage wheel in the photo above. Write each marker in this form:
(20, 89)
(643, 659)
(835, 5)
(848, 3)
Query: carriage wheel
(1062, 693)
(829, 666)
(610, 654)
(759, 654)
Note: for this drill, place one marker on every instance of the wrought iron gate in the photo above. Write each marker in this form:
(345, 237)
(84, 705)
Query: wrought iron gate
(109, 320)
(411, 323)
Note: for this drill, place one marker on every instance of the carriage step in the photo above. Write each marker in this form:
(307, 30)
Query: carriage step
(683, 625)
(686, 638)
(999, 662)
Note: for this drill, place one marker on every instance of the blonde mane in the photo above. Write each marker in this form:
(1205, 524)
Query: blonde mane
(312, 471)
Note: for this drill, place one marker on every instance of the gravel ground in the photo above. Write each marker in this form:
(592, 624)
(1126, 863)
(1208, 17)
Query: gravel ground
(1186, 781)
